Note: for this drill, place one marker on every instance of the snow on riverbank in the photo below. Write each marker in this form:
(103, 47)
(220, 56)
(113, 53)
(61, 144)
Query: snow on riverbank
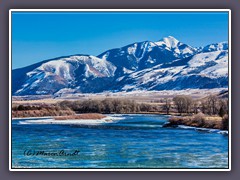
(108, 119)
(210, 130)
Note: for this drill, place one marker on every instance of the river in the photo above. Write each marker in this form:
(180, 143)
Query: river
(135, 141)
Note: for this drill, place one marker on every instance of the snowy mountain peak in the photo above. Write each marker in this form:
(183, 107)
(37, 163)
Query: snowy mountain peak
(170, 41)
(179, 49)
(216, 47)
(163, 65)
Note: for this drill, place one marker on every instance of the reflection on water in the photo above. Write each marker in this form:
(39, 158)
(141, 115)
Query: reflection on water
(137, 141)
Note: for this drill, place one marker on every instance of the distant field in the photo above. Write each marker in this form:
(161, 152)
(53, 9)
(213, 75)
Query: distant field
(153, 97)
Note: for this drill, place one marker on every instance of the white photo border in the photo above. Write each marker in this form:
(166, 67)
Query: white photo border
(116, 10)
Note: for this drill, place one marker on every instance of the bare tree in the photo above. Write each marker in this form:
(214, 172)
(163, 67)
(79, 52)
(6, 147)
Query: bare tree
(183, 103)
(196, 106)
(212, 104)
(223, 103)
(167, 105)
(189, 102)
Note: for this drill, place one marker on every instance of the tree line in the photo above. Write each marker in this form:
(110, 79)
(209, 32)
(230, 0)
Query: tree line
(211, 105)
(107, 106)
(182, 104)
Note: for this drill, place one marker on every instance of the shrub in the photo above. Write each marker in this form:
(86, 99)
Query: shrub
(81, 116)
(225, 122)
(199, 119)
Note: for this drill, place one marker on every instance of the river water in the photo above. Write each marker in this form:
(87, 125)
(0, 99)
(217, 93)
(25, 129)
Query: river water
(135, 141)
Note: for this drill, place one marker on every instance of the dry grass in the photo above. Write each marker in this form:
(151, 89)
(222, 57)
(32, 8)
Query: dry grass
(81, 116)
(198, 120)
(40, 113)
(213, 118)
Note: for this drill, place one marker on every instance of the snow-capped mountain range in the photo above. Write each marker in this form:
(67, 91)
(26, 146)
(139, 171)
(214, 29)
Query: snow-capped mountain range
(166, 64)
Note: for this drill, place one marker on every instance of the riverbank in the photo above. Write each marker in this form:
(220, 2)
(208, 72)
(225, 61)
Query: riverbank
(80, 119)
(199, 120)
(40, 111)
(81, 116)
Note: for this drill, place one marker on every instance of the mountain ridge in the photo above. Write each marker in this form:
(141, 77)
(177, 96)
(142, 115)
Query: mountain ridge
(161, 65)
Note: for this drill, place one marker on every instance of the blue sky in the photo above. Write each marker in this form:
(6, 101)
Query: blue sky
(38, 36)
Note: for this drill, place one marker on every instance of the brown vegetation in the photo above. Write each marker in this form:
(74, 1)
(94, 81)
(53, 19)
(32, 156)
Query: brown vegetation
(200, 120)
(40, 111)
(183, 103)
(108, 105)
(167, 105)
(209, 112)
(225, 122)
(81, 116)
